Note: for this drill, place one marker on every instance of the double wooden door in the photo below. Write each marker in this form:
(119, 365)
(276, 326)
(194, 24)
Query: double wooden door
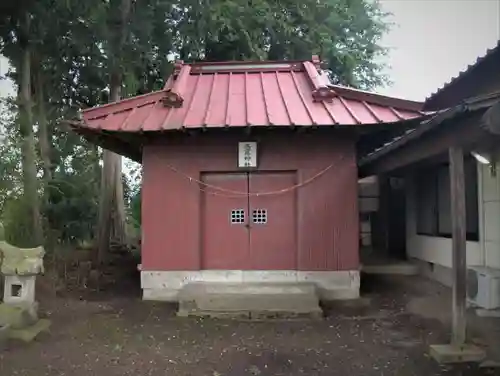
(255, 231)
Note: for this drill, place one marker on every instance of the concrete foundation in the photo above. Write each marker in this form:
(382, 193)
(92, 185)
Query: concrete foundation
(490, 364)
(456, 354)
(330, 285)
(488, 312)
(436, 272)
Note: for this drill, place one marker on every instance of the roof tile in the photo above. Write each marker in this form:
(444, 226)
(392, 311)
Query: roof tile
(490, 53)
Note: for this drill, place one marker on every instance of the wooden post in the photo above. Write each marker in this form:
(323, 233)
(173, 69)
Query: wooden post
(458, 350)
(458, 217)
(384, 215)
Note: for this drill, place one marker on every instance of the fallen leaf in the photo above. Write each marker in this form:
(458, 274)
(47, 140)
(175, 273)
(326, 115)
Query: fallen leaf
(254, 370)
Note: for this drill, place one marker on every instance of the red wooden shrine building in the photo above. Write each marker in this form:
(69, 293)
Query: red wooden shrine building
(249, 173)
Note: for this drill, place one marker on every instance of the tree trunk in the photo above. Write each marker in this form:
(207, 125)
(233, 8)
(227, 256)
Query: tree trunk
(30, 187)
(43, 131)
(112, 218)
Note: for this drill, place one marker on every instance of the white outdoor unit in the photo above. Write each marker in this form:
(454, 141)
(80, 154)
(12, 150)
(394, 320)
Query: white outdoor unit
(483, 287)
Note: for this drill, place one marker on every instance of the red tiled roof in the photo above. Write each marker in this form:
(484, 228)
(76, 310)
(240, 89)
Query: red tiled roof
(241, 94)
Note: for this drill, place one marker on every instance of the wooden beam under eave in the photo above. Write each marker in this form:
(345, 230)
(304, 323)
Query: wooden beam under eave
(113, 142)
(491, 119)
(464, 132)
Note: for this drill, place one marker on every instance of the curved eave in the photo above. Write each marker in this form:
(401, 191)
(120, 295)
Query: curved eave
(118, 142)
(370, 129)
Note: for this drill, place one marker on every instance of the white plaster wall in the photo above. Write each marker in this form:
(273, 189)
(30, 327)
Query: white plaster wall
(489, 193)
(438, 250)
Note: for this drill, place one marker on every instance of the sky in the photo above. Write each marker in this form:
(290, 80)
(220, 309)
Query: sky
(433, 41)
(5, 85)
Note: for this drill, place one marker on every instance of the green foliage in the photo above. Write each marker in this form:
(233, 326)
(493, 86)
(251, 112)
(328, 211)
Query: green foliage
(133, 195)
(71, 196)
(10, 155)
(135, 209)
(345, 33)
(72, 209)
(15, 219)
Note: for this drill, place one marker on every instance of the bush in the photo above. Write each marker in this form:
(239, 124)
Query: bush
(16, 219)
(135, 209)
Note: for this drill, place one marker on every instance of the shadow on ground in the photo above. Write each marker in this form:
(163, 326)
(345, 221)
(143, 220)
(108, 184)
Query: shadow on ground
(121, 335)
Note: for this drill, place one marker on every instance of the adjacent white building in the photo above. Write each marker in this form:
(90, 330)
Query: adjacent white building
(428, 219)
(414, 217)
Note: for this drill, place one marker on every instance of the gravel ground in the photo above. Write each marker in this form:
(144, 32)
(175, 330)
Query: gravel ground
(125, 336)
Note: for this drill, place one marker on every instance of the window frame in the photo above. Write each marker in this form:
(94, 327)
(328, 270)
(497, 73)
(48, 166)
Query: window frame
(433, 173)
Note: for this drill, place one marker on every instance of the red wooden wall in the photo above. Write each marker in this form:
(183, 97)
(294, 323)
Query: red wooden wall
(327, 208)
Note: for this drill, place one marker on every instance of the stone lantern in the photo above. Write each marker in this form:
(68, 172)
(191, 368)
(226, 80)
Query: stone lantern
(19, 311)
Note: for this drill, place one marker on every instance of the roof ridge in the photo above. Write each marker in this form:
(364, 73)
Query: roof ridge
(244, 62)
(123, 104)
(376, 98)
(322, 91)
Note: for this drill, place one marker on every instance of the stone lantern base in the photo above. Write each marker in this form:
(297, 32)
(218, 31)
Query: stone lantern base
(19, 313)
(20, 321)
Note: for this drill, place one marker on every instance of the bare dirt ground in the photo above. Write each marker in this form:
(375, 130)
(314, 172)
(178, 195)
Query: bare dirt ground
(121, 335)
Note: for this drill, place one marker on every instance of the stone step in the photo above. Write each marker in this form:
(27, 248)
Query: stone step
(247, 288)
(268, 302)
(249, 300)
(393, 268)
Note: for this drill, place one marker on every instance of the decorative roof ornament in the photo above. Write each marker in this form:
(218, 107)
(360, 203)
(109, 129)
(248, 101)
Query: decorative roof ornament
(322, 89)
(175, 87)
(172, 100)
(316, 61)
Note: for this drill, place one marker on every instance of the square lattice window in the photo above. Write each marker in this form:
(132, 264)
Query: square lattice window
(237, 216)
(259, 216)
